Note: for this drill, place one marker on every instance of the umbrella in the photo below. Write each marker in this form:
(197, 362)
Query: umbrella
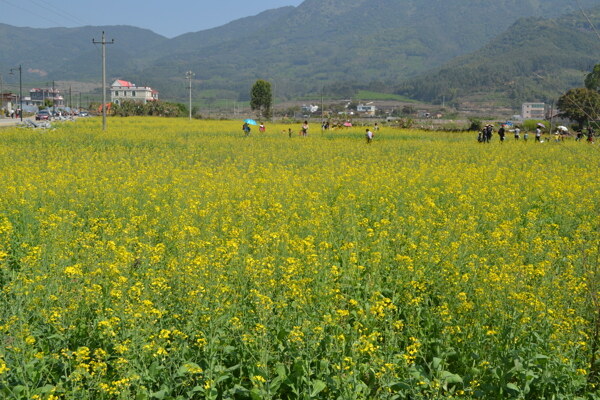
(562, 128)
(541, 125)
(347, 124)
(250, 122)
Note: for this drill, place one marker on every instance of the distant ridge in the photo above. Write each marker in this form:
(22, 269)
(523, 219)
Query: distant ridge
(535, 59)
(321, 45)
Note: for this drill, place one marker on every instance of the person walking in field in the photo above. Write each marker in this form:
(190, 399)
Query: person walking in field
(246, 129)
(517, 133)
(369, 136)
(538, 134)
(501, 133)
(489, 131)
(304, 129)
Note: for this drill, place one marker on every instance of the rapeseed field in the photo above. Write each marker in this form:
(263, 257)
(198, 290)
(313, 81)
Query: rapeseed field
(172, 259)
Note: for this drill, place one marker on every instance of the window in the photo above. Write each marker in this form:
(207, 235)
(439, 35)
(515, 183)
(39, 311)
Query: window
(116, 92)
(133, 93)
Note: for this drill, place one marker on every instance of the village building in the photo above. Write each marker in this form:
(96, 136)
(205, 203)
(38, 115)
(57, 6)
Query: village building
(122, 90)
(309, 109)
(37, 97)
(367, 109)
(533, 110)
(8, 100)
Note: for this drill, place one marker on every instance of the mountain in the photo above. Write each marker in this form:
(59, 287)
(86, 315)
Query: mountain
(321, 45)
(68, 53)
(535, 59)
(322, 42)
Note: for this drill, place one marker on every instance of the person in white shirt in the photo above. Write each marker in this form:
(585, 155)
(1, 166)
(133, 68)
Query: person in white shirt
(369, 136)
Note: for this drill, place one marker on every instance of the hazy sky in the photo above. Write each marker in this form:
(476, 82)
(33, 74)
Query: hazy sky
(166, 17)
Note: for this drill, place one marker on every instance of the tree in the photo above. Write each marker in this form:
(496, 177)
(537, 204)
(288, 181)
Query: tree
(581, 105)
(408, 110)
(261, 98)
(592, 80)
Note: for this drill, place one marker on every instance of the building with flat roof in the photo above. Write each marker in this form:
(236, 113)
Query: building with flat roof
(122, 90)
(533, 110)
(37, 97)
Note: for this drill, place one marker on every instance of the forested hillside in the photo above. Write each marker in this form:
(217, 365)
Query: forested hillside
(535, 59)
(328, 46)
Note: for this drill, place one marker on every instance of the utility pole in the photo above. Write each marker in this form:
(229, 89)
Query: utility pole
(273, 102)
(70, 99)
(189, 76)
(103, 42)
(552, 116)
(20, 88)
(53, 99)
(322, 109)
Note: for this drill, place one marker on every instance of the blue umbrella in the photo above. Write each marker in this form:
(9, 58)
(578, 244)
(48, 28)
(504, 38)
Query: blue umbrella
(250, 122)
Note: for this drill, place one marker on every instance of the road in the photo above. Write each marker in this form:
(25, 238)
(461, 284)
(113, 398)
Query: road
(7, 122)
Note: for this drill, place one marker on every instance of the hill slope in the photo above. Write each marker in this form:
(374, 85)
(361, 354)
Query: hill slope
(322, 42)
(319, 45)
(68, 53)
(535, 59)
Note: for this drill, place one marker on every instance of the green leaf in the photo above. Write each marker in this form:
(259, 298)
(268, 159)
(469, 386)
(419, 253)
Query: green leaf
(45, 389)
(160, 395)
(280, 369)
(512, 386)
(19, 389)
(255, 394)
(276, 383)
(318, 387)
(197, 389)
(449, 377)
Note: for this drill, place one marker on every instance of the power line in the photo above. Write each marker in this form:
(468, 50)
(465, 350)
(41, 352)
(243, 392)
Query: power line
(588, 18)
(60, 12)
(29, 11)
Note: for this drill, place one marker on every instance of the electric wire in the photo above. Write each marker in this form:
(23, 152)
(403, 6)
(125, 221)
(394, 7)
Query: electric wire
(44, 17)
(60, 12)
(587, 18)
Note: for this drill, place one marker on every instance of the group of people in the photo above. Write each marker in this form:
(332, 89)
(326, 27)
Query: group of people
(589, 134)
(12, 113)
(486, 133)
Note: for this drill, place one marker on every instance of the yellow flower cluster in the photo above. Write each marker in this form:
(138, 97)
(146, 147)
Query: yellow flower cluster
(179, 259)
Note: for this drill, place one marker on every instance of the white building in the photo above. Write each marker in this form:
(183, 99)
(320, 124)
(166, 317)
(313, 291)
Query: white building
(533, 110)
(122, 90)
(309, 109)
(368, 109)
(37, 97)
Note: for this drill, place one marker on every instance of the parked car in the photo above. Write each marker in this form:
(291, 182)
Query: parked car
(42, 115)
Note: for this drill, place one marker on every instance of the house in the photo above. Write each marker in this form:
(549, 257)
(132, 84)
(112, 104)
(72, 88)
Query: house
(533, 110)
(367, 109)
(8, 100)
(37, 97)
(309, 109)
(122, 90)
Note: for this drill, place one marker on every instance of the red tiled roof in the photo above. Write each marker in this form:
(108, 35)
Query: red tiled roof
(125, 83)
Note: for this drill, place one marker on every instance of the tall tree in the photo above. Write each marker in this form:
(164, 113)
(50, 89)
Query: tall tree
(581, 105)
(592, 80)
(261, 98)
